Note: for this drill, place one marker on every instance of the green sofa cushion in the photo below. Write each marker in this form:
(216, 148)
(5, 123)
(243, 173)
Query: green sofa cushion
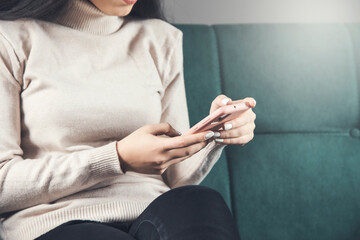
(297, 186)
(303, 76)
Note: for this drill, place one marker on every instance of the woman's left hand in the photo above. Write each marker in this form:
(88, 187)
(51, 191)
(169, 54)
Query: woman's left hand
(240, 130)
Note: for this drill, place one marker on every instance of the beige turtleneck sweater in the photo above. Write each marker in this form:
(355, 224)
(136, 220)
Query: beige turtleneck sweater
(68, 91)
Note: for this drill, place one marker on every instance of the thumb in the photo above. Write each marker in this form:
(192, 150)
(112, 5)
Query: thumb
(250, 102)
(163, 128)
(219, 101)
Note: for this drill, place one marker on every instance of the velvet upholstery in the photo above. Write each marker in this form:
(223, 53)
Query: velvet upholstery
(299, 178)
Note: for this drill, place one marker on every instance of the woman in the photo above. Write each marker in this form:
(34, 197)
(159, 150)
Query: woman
(91, 93)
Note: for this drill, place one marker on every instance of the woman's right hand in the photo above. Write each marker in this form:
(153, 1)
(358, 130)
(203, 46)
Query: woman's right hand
(146, 151)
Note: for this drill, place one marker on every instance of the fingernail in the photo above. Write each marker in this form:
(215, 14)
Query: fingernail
(216, 134)
(255, 101)
(219, 140)
(209, 135)
(225, 101)
(228, 126)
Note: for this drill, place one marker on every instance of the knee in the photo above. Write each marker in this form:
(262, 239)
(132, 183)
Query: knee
(197, 203)
(195, 194)
(200, 190)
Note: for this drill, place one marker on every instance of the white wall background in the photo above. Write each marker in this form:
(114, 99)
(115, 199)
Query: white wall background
(261, 11)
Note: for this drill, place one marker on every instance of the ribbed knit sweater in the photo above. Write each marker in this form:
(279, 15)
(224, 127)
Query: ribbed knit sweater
(71, 88)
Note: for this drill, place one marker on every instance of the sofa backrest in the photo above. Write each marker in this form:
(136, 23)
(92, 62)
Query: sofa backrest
(299, 178)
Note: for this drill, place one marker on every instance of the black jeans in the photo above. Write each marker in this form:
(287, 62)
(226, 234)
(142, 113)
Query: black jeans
(187, 213)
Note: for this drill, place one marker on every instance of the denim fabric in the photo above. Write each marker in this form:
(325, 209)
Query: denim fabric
(188, 212)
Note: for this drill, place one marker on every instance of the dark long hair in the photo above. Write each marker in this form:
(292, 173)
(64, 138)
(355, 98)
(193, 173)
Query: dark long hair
(49, 9)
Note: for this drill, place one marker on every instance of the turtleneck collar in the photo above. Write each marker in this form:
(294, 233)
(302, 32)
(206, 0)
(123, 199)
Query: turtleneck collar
(84, 16)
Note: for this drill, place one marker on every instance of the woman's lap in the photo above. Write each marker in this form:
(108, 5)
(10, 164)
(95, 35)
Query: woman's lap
(89, 230)
(188, 212)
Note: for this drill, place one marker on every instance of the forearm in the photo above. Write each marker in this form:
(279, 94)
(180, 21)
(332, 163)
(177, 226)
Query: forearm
(28, 182)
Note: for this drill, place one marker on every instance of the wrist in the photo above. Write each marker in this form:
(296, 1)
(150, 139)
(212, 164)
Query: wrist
(121, 160)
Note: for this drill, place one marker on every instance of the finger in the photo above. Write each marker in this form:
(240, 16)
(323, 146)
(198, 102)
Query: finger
(237, 141)
(247, 117)
(180, 154)
(239, 131)
(184, 141)
(251, 101)
(162, 128)
(219, 101)
(185, 151)
(217, 128)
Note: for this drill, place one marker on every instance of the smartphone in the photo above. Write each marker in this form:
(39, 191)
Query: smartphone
(215, 120)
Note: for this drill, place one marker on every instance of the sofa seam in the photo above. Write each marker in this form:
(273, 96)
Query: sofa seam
(341, 133)
(357, 64)
(229, 178)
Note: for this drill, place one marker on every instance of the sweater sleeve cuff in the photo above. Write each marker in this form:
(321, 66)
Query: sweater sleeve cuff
(196, 168)
(208, 157)
(104, 161)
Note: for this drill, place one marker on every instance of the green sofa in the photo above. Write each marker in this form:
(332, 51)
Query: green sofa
(299, 178)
